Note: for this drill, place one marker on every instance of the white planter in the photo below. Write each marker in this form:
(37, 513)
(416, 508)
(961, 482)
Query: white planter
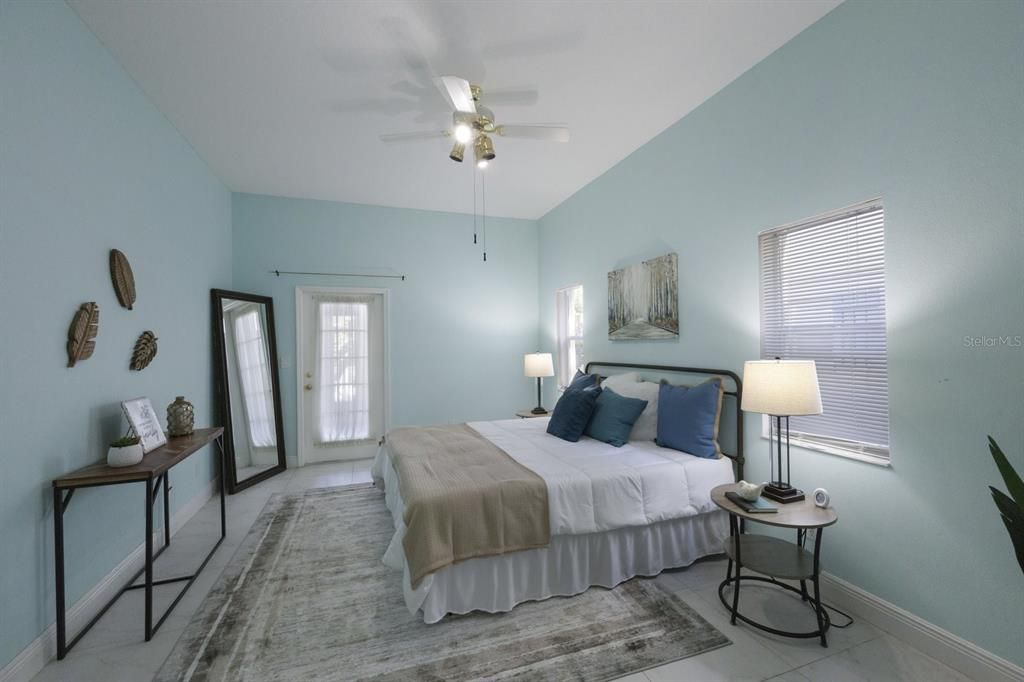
(124, 457)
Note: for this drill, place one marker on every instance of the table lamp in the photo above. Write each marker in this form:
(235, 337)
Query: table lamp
(781, 389)
(538, 365)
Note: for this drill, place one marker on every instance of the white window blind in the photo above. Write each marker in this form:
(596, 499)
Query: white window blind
(254, 375)
(823, 299)
(569, 330)
(343, 400)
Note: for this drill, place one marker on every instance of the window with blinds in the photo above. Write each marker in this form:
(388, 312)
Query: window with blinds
(823, 299)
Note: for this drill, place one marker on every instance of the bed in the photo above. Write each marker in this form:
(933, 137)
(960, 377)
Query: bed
(614, 513)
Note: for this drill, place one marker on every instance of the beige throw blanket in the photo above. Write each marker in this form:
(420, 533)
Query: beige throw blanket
(464, 498)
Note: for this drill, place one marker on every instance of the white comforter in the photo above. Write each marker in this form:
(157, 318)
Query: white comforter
(593, 486)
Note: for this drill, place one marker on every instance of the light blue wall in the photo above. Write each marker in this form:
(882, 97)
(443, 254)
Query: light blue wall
(88, 164)
(459, 326)
(921, 103)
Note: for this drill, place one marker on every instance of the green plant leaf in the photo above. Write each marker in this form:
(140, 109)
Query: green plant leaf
(1013, 518)
(1014, 484)
(1007, 507)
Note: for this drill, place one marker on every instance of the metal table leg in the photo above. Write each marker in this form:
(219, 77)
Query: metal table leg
(149, 559)
(734, 524)
(819, 610)
(167, 508)
(58, 569)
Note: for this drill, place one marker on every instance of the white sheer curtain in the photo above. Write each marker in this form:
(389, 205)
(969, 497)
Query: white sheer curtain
(569, 330)
(342, 403)
(254, 375)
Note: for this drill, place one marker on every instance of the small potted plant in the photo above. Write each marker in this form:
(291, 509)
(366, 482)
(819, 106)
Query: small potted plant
(124, 452)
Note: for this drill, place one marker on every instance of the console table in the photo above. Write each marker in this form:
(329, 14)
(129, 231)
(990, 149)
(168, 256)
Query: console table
(775, 558)
(153, 470)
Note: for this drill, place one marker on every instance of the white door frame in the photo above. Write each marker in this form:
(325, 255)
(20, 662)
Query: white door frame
(300, 381)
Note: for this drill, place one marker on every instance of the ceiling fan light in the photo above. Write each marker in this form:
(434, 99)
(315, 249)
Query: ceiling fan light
(458, 151)
(481, 164)
(483, 149)
(463, 133)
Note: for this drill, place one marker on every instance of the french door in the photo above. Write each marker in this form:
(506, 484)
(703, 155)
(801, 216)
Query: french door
(342, 365)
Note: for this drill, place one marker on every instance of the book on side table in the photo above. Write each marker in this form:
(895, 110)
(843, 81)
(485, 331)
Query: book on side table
(758, 506)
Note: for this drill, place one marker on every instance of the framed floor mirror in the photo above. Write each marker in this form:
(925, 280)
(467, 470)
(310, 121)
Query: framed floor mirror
(248, 390)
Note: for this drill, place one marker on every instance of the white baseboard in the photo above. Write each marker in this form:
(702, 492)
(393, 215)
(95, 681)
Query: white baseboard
(942, 645)
(43, 648)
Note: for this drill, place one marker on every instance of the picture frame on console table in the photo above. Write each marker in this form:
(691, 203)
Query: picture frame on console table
(144, 422)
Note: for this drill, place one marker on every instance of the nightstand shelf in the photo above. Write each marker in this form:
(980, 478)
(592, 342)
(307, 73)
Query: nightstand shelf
(772, 556)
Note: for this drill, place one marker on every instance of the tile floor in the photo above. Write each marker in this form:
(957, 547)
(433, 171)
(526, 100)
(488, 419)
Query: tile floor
(113, 651)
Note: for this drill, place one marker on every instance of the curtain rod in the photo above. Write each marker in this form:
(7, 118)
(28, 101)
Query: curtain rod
(334, 274)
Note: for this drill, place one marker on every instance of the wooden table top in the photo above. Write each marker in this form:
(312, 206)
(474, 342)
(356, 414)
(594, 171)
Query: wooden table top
(802, 514)
(527, 414)
(152, 465)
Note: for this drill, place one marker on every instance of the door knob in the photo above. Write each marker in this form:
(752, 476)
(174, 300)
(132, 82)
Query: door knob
(309, 387)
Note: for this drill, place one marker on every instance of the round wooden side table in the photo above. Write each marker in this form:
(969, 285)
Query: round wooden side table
(775, 558)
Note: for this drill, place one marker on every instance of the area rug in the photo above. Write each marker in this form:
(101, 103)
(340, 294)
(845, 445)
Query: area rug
(306, 597)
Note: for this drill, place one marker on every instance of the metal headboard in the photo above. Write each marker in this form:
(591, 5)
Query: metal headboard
(736, 395)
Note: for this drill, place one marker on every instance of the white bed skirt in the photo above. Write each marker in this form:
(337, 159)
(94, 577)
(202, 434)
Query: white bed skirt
(571, 564)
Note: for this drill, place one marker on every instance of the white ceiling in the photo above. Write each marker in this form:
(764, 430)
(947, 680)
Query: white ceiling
(288, 98)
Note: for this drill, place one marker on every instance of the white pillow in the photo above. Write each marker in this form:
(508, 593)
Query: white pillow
(614, 381)
(646, 426)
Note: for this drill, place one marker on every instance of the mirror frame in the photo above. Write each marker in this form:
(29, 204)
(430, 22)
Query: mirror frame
(217, 296)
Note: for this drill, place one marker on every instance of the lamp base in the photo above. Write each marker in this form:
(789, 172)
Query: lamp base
(538, 410)
(782, 492)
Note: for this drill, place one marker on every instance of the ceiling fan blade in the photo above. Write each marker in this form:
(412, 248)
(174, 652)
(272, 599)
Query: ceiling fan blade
(549, 133)
(456, 91)
(422, 135)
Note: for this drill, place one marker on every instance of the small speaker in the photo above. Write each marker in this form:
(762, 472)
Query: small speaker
(821, 498)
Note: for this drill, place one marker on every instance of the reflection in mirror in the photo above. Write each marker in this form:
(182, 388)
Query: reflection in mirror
(249, 395)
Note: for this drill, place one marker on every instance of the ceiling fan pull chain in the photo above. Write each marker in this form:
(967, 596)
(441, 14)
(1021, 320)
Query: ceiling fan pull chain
(483, 211)
(474, 204)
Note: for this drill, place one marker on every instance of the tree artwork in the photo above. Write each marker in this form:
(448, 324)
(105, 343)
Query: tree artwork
(643, 300)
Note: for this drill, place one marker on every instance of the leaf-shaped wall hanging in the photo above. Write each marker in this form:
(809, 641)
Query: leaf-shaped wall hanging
(145, 351)
(82, 332)
(123, 278)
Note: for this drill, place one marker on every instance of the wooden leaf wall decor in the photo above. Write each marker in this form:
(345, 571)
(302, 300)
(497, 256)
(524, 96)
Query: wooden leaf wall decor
(123, 278)
(82, 332)
(145, 351)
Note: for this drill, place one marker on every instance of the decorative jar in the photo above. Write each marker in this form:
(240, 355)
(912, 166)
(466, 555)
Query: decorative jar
(181, 417)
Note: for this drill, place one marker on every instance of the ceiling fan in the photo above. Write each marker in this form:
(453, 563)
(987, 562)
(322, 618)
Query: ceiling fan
(473, 123)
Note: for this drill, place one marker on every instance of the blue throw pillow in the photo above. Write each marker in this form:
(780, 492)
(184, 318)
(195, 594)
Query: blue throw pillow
(688, 417)
(613, 418)
(581, 381)
(572, 412)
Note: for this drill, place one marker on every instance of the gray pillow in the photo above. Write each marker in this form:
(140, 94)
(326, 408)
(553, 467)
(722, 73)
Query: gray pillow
(646, 426)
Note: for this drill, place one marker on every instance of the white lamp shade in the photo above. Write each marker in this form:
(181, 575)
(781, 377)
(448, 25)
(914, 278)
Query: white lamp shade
(538, 365)
(785, 388)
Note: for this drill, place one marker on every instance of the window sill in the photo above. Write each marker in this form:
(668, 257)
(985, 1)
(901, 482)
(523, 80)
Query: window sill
(875, 460)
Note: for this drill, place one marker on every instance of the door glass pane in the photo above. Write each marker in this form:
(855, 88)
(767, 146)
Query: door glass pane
(343, 372)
